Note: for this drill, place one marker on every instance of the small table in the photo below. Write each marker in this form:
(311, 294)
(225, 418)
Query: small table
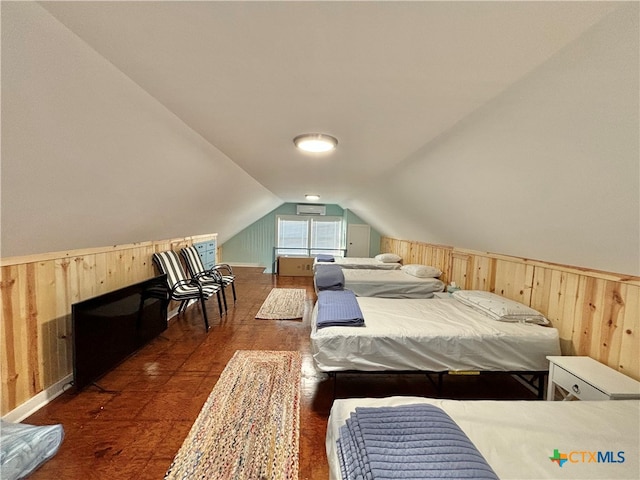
(587, 379)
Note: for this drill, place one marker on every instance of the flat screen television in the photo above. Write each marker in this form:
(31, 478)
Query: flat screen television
(110, 327)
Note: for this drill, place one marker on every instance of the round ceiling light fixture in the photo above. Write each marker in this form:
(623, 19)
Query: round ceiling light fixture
(315, 142)
(312, 197)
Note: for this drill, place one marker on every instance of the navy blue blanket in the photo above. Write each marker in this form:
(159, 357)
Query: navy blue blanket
(325, 257)
(338, 308)
(329, 277)
(410, 441)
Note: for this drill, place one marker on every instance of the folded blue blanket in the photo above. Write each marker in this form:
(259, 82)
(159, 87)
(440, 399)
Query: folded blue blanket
(410, 441)
(325, 257)
(338, 308)
(329, 277)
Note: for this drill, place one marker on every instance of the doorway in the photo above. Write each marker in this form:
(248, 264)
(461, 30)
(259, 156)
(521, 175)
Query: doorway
(358, 240)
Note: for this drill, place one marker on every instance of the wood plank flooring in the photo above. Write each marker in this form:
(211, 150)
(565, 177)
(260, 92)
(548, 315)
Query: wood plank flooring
(133, 428)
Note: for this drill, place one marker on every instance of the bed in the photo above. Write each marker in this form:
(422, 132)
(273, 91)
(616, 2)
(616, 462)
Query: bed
(433, 335)
(382, 283)
(359, 262)
(527, 439)
(390, 284)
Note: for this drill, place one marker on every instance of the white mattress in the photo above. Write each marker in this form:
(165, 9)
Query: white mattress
(518, 438)
(358, 262)
(438, 334)
(389, 283)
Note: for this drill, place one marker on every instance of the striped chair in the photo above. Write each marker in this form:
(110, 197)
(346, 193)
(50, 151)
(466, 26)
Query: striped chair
(182, 288)
(222, 274)
(228, 278)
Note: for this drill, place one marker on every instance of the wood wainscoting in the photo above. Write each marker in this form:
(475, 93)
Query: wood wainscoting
(37, 292)
(597, 313)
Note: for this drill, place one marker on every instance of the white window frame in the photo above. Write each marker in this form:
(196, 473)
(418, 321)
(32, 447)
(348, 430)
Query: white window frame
(310, 250)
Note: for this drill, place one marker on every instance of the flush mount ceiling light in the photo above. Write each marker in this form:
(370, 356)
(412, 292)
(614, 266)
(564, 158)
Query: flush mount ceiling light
(313, 198)
(315, 142)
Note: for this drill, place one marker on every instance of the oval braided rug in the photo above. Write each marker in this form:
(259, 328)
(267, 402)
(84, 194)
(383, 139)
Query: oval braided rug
(249, 426)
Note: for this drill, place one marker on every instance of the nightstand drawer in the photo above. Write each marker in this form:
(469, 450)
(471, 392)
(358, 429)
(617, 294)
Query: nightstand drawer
(576, 386)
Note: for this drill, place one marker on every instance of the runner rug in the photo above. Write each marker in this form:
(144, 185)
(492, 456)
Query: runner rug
(283, 304)
(249, 426)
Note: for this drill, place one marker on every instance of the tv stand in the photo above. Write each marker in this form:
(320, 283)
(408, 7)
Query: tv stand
(102, 389)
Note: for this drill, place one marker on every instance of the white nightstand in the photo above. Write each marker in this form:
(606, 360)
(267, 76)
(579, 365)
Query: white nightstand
(588, 379)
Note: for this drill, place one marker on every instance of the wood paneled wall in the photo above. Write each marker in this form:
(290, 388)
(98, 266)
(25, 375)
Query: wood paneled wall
(37, 293)
(597, 313)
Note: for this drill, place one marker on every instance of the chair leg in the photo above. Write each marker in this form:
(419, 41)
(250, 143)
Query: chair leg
(224, 297)
(204, 313)
(219, 303)
(182, 306)
(233, 288)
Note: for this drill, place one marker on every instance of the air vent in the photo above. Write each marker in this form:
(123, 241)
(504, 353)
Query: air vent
(311, 210)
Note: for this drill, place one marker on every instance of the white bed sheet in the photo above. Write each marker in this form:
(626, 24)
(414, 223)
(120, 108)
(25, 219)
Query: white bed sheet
(389, 284)
(358, 262)
(518, 438)
(437, 334)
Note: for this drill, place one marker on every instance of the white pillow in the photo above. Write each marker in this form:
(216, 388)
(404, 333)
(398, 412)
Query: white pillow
(421, 271)
(388, 258)
(499, 308)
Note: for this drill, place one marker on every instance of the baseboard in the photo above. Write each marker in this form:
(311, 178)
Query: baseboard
(40, 400)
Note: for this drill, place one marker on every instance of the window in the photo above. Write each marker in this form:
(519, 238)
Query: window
(293, 235)
(307, 236)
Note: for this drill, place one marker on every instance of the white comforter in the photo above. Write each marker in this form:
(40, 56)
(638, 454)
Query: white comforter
(359, 262)
(432, 335)
(518, 438)
(389, 284)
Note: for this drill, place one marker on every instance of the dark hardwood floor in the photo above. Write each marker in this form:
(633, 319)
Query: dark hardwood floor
(133, 428)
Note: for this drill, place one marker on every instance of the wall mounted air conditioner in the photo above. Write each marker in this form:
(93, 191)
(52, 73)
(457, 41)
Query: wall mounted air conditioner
(311, 210)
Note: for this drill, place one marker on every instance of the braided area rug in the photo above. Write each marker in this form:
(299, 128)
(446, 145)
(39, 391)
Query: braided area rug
(249, 426)
(283, 304)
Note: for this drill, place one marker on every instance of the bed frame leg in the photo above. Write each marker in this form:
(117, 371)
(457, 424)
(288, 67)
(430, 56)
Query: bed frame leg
(334, 377)
(541, 385)
(437, 385)
(535, 381)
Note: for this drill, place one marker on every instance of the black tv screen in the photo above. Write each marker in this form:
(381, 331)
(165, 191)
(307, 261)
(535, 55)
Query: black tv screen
(110, 327)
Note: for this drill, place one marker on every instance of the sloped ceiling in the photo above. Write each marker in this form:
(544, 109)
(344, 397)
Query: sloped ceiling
(398, 83)
(385, 78)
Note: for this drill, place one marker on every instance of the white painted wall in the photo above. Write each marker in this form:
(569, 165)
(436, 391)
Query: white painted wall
(91, 159)
(549, 170)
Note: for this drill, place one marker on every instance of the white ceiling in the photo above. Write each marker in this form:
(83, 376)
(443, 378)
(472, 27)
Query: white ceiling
(385, 78)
